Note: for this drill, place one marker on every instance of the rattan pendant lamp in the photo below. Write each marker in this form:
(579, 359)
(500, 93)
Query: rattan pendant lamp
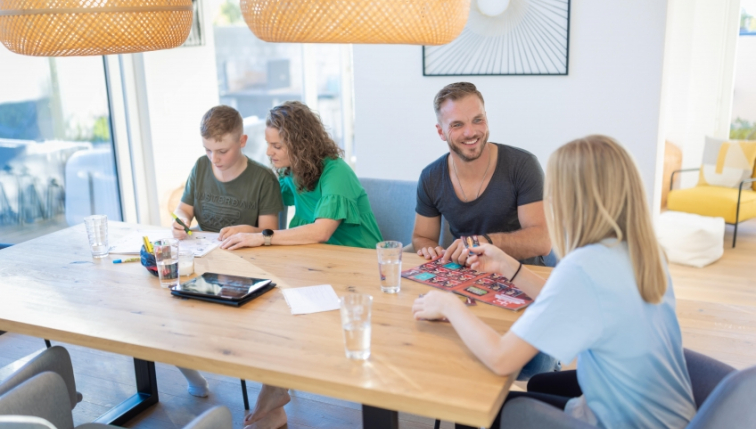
(420, 22)
(93, 27)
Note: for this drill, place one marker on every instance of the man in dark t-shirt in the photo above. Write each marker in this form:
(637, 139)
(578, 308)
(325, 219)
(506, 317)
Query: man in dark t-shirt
(481, 188)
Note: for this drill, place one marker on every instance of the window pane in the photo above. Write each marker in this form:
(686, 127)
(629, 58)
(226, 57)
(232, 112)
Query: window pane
(56, 154)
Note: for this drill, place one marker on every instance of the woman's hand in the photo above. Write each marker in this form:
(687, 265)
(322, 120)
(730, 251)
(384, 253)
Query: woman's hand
(434, 305)
(242, 239)
(231, 230)
(490, 259)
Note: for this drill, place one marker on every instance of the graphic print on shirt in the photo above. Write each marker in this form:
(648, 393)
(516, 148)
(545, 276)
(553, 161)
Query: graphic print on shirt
(217, 217)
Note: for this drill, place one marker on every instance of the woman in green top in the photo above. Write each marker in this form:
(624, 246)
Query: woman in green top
(331, 205)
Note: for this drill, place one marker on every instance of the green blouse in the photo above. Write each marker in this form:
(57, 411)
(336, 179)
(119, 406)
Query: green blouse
(339, 196)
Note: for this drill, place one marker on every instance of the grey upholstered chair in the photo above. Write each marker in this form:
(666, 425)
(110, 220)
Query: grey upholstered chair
(42, 393)
(393, 203)
(724, 398)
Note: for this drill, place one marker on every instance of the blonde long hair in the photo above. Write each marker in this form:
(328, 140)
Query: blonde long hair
(594, 191)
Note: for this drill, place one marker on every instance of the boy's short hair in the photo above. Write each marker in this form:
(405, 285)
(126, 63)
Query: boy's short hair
(455, 91)
(221, 120)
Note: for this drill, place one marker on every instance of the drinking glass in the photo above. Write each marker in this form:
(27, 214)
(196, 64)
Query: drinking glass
(355, 320)
(97, 231)
(167, 259)
(186, 262)
(390, 265)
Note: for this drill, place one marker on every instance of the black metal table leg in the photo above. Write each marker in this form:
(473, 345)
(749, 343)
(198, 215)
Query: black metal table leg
(146, 396)
(378, 418)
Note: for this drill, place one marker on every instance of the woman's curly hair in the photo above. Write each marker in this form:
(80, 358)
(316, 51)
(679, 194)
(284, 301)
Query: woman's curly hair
(307, 141)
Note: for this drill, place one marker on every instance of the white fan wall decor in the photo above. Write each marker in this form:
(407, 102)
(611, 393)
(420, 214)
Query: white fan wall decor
(506, 37)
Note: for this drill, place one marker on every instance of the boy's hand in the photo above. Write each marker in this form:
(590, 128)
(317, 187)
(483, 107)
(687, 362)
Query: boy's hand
(231, 230)
(431, 252)
(178, 230)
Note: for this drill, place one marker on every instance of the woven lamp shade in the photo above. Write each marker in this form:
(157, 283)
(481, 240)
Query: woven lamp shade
(93, 27)
(420, 22)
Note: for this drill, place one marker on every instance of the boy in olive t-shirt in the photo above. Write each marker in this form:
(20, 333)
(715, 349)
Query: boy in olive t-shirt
(227, 193)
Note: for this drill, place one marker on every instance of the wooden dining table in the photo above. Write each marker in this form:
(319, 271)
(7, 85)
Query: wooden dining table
(52, 288)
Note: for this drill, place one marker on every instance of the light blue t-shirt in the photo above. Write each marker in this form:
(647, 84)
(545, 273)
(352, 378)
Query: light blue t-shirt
(631, 366)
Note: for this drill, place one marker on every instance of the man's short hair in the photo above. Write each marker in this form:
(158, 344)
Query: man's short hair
(219, 121)
(455, 91)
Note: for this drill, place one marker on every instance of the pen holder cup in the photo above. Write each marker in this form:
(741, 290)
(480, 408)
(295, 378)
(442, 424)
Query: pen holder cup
(148, 261)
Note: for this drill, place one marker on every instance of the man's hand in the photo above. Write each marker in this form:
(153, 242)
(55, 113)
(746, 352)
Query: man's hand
(242, 239)
(231, 230)
(457, 252)
(431, 252)
(178, 230)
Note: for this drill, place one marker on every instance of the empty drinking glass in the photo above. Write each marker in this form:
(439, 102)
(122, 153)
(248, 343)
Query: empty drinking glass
(167, 260)
(390, 265)
(355, 320)
(97, 231)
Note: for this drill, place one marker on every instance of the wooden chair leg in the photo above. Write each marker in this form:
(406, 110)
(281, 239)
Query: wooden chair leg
(244, 394)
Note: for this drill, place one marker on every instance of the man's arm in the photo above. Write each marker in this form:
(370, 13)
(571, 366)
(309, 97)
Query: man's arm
(533, 237)
(425, 236)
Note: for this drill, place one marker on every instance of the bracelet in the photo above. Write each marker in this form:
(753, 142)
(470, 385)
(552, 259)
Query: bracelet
(516, 272)
(487, 237)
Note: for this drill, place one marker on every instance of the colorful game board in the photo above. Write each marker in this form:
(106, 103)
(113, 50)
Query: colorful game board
(492, 289)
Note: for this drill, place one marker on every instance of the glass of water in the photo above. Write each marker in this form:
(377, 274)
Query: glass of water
(97, 232)
(390, 265)
(355, 320)
(167, 259)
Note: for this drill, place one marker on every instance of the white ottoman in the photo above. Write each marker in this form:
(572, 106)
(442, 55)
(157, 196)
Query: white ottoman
(691, 239)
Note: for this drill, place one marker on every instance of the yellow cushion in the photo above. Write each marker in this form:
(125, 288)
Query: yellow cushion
(727, 163)
(713, 201)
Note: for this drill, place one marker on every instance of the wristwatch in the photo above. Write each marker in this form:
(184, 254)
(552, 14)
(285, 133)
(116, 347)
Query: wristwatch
(267, 235)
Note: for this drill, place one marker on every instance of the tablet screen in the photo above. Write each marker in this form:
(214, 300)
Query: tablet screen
(222, 286)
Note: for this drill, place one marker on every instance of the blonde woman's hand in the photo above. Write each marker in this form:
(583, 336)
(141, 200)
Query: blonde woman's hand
(242, 239)
(434, 305)
(490, 259)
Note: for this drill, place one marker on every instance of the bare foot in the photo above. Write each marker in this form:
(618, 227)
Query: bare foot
(270, 398)
(273, 419)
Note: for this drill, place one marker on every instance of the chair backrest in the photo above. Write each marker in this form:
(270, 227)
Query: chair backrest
(393, 203)
(45, 395)
(705, 374)
(24, 422)
(730, 405)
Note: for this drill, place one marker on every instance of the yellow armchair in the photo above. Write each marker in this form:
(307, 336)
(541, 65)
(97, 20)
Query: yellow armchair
(735, 205)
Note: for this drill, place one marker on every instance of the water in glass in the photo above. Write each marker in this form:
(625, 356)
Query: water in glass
(357, 340)
(391, 275)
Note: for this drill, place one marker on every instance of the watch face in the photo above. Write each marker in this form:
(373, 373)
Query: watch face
(267, 232)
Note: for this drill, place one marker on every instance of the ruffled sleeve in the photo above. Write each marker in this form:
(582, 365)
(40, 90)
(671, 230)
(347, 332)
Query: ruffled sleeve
(338, 207)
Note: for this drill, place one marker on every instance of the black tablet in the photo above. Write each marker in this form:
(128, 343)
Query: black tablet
(222, 287)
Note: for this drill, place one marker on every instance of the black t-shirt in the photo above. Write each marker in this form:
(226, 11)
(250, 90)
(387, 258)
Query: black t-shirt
(517, 180)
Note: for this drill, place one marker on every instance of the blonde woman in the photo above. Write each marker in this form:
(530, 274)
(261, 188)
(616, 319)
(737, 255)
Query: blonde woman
(609, 302)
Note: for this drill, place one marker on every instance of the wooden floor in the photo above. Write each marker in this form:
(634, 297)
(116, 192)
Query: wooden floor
(716, 309)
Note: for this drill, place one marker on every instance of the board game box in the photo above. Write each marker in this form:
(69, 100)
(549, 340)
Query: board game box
(490, 288)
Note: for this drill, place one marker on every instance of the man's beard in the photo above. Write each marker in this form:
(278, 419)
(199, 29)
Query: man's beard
(461, 154)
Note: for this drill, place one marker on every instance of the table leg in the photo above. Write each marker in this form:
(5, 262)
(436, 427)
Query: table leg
(146, 396)
(378, 418)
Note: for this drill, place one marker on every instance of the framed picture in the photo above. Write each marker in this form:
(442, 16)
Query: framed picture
(506, 37)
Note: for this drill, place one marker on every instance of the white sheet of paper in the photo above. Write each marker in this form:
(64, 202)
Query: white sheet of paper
(200, 243)
(311, 299)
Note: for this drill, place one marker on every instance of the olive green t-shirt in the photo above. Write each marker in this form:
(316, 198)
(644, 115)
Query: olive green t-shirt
(338, 195)
(240, 201)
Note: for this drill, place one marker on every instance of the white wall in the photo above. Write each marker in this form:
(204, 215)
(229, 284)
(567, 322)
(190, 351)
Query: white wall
(744, 96)
(613, 87)
(699, 75)
(181, 85)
